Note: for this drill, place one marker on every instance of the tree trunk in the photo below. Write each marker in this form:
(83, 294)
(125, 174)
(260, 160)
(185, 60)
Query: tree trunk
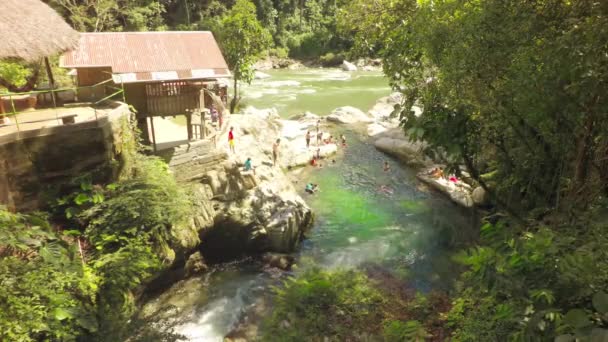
(235, 97)
(28, 86)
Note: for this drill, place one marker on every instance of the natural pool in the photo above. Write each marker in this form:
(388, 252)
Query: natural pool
(409, 232)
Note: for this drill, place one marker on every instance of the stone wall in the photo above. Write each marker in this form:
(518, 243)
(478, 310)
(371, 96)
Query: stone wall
(36, 162)
(191, 162)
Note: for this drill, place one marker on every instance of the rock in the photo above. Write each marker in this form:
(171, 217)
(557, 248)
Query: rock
(375, 129)
(376, 62)
(407, 151)
(368, 68)
(258, 75)
(264, 64)
(348, 66)
(480, 197)
(295, 66)
(302, 156)
(361, 62)
(195, 264)
(348, 115)
(306, 116)
(268, 113)
(281, 261)
(459, 193)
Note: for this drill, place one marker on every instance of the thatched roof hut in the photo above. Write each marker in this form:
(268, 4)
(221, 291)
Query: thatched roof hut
(30, 30)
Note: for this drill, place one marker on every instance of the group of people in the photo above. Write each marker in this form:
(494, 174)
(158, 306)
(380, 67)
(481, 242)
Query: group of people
(319, 136)
(437, 172)
(248, 163)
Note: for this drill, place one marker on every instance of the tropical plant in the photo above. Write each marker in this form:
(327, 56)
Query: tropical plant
(243, 40)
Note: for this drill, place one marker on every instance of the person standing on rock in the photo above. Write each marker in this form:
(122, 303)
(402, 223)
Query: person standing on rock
(319, 138)
(307, 139)
(319, 132)
(275, 152)
(231, 139)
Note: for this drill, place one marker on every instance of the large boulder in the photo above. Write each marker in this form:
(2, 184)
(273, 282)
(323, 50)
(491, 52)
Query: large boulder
(349, 115)
(459, 192)
(404, 149)
(480, 197)
(348, 66)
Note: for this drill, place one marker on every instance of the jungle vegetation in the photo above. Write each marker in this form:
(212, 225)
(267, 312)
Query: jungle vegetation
(513, 92)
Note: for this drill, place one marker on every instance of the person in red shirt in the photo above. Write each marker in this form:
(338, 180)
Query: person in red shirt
(231, 140)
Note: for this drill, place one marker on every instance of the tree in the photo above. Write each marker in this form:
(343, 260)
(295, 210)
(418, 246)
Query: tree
(18, 76)
(243, 39)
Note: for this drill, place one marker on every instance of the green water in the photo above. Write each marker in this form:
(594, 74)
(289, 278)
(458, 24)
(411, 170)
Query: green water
(366, 215)
(407, 230)
(315, 90)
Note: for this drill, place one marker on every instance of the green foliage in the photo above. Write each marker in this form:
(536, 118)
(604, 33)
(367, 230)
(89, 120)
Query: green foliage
(47, 293)
(546, 283)
(14, 72)
(147, 205)
(331, 59)
(405, 331)
(243, 40)
(320, 303)
(502, 88)
(112, 15)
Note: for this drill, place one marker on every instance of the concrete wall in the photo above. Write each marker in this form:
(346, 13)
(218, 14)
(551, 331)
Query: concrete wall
(34, 162)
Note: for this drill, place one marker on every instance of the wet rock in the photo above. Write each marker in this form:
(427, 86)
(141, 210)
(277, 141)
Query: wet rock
(258, 75)
(348, 66)
(195, 265)
(348, 115)
(281, 261)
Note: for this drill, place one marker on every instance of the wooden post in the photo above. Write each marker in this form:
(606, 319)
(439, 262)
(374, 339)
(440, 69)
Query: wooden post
(153, 134)
(49, 73)
(189, 125)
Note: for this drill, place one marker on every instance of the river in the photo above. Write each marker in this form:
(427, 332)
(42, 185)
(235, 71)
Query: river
(409, 230)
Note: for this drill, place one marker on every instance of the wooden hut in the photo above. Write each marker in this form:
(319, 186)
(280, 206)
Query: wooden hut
(163, 73)
(30, 30)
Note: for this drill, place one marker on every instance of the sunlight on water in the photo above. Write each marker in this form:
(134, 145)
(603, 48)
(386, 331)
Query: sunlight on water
(316, 90)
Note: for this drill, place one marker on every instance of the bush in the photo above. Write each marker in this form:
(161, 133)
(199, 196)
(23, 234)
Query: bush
(279, 52)
(47, 293)
(321, 303)
(330, 59)
(405, 331)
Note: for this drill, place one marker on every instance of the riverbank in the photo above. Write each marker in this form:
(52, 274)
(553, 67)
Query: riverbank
(356, 224)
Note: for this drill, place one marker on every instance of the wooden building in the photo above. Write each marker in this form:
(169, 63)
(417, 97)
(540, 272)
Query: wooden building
(162, 73)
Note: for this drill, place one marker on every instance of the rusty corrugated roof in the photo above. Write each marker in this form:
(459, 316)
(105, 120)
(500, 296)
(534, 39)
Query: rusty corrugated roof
(145, 56)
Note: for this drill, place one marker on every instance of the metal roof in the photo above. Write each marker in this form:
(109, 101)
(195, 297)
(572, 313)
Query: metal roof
(150, 56)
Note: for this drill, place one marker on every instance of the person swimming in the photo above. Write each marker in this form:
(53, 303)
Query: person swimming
(311, 188)
(343, 139)
(386, 167)
(385, 189)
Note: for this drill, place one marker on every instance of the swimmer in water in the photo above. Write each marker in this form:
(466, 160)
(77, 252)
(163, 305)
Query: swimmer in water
(385, 189)
(387, 167)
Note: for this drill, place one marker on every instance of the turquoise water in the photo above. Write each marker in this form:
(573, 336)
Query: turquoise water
(407, 230)
(315, 90)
